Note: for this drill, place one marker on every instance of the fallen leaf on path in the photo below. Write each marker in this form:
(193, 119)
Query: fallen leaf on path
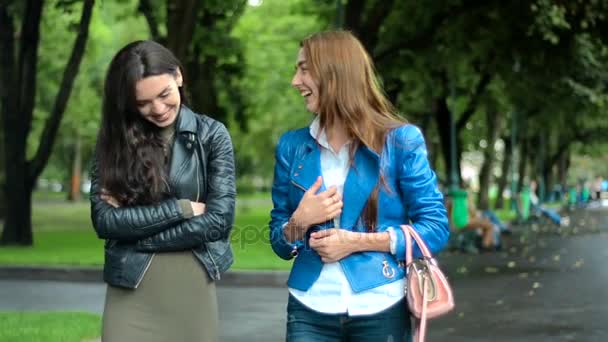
(491, 269)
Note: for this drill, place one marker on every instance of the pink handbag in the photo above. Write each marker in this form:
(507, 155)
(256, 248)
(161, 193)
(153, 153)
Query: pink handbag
(428, 293)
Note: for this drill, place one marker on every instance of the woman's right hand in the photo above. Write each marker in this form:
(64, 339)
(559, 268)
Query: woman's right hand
(317, 208)
(198, 208)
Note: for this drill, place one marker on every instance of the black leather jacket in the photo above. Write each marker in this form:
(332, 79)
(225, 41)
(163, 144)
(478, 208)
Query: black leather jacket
(202, 170)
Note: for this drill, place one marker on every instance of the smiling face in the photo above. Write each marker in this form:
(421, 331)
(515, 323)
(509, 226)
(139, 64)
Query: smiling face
(158, 99)
(305, 84)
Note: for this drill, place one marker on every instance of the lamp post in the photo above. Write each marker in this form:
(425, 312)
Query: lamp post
(339, 14)
(454, 184)
(460, 213)
(542, 186)
(514, 117)
(513, 160)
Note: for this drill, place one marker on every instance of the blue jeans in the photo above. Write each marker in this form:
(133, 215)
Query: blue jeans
(548, 213)
(490, 215)
(307, 325)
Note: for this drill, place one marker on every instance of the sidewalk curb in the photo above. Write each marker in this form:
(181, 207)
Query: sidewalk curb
(95, 275)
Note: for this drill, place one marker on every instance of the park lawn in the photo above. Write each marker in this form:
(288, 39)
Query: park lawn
(49, 326)
(63, 236)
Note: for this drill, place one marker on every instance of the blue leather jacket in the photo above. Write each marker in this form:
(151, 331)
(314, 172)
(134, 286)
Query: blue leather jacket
(409, 197)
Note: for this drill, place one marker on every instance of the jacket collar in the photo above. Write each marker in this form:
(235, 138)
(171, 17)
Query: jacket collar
(362, 177)
(186, 121)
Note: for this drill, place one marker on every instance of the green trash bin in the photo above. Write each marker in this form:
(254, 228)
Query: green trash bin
(460, 212)
(524, 198)
(572, 196)
(585, 194)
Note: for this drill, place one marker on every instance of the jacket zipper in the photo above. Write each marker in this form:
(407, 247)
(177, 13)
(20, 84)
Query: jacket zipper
(198, 180)
(198, 186)
(298, 185)
(215, 268)
(141, 276)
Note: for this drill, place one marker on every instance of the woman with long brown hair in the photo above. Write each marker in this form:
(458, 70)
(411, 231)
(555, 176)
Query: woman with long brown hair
(162, 197)
(342, 187)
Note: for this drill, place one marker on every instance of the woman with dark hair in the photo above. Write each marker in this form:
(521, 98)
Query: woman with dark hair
(162, 197)
(342, 188)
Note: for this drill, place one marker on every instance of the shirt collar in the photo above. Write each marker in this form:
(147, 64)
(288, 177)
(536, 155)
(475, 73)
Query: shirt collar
(318, 133)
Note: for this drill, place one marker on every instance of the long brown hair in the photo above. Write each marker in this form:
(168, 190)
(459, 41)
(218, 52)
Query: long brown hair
(349, 92)
(129, 153)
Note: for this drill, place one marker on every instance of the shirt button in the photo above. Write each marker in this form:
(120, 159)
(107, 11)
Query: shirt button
(296, 174)
(299, 166)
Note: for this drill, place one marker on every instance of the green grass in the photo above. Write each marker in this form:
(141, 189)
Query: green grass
(49, 326)
(63, 235)
(57, 248)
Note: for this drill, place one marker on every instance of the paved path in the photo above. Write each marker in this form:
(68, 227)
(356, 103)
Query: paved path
(552, 288)
(244, 312)
(562, 296)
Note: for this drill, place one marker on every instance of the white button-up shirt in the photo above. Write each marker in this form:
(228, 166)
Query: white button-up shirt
(331, 293)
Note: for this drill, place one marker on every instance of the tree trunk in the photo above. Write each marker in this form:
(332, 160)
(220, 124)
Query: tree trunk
(494, 123)
(562, 169)
(442, 118)
(74, 194)
(18, 190)
(181, 21)
(18, 221)
(548, 182)
(17, 109)
(205, 84)
(543, 168)
(504, 177)
(523, 162)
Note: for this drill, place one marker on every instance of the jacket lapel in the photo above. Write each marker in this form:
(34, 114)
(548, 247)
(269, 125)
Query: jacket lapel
(360, 181)
(308, 168)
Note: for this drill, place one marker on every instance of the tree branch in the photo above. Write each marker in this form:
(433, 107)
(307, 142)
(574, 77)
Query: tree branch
(424, 37)
(69, 75)
(28, 60)
(376, 17)
(352, 17)
(472, 106)
(7, 62)
(146, 8)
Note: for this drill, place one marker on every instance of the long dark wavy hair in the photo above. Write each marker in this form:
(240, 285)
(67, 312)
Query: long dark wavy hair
(129, 152)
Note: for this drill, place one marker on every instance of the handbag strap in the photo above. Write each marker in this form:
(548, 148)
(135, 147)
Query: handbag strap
(409, 232)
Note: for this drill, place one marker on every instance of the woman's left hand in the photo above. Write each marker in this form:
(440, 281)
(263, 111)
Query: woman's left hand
(110, 200)
(334, 244)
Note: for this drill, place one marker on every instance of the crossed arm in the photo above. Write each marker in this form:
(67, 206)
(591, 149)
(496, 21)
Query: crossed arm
(164, 226)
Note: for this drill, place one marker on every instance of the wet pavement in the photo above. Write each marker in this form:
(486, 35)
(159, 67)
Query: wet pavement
(548, 284)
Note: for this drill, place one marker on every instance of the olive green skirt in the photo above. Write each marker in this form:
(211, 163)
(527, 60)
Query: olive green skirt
(175, 301)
